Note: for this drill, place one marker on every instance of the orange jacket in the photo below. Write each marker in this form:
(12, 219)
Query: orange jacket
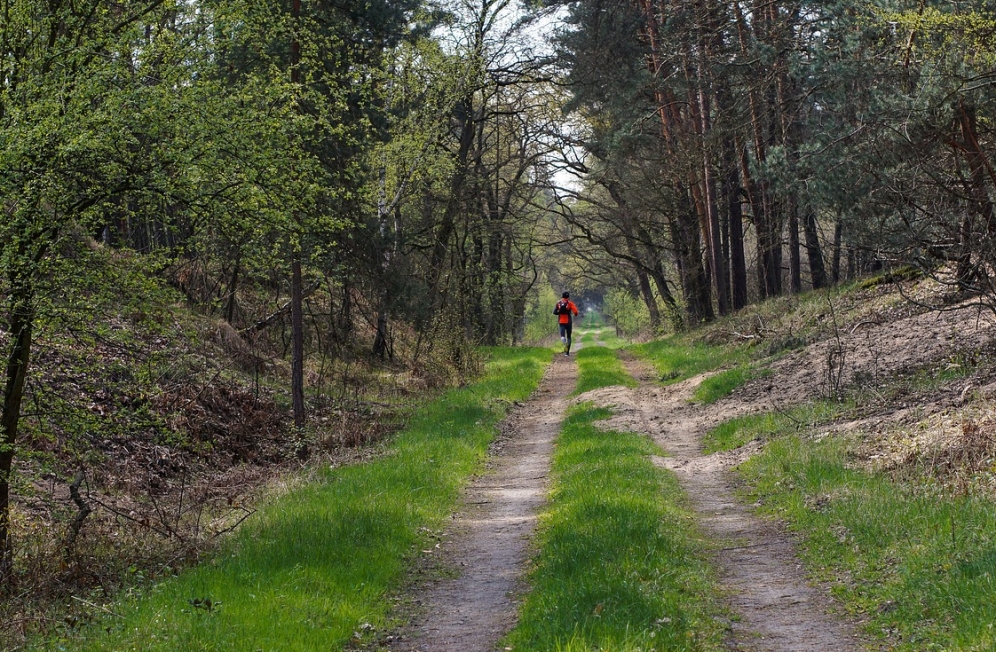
(564, 308)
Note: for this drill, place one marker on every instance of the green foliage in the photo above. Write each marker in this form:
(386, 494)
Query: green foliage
(936, 32)
(540, 322)
(619, 566)
(314, 565)
(629, 315)
(917, 559)
(594, 320)
(600, 367)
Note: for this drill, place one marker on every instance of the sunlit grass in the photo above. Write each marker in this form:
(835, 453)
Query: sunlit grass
(767, 425)
(620, 566)
(314, 566)
(724, 383)
(675, 360)
(600, 367)
(920, 563)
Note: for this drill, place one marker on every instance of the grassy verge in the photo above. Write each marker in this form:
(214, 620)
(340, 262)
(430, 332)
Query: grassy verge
(919, 563)
(608, 338)
(737, 432)
(676, 360)
(314, 566)
(600, 367)
(722, 384)
(620, 567)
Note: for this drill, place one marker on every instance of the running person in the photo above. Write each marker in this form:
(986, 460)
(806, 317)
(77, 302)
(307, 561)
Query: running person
(564, 308)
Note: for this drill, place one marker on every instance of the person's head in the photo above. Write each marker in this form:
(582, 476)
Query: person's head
(566, 295)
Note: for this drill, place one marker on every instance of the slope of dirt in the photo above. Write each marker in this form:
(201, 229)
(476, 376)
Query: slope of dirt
(488, 545)
(867, 351)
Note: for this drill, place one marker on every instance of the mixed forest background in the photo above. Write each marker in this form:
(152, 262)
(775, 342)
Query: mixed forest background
(388, 184)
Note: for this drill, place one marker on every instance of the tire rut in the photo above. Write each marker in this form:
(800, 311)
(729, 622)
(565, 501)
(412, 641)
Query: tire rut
(491, 534)
(775, 607)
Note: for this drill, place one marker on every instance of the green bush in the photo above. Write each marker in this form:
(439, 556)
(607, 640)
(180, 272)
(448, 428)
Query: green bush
(540, 322)
(628, 313)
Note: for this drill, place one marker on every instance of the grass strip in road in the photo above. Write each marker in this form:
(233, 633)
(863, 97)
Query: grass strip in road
(600, 367)
(916, 563)
(620, 566)
(314, 566)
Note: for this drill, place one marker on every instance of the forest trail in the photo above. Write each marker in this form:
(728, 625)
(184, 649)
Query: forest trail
(775, 608)
(488, 544)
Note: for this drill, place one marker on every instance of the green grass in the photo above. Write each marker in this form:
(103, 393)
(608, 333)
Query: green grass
(311, 567)
(607, 337)
(920, 563)
(767, 425)
(723, 383)
(676, 360)
(600, 367)
(620, 567)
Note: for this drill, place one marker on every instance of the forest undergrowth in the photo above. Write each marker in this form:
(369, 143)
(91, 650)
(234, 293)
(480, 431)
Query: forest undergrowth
(155, 430)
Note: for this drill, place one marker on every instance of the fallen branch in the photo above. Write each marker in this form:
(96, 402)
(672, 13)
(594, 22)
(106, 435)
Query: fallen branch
(144, 522)
(281, 312)
(96, 606)
(84, 511)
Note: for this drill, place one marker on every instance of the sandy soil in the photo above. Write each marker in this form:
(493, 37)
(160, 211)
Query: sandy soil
(867, 351)
(489, 543)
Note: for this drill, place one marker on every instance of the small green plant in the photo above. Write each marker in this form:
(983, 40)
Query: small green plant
(620, 566)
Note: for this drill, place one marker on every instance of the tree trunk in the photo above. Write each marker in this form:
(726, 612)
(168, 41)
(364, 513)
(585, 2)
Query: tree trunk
(648, 298)
(447, 224)
(738, 259)
(297, 281)
(664, 289)
(973, 240)
(381, 348)
(232, 287)
(817, 270)
(838, 237)
(297, 341)
(795, 252)
(21, 302)
(694, 282)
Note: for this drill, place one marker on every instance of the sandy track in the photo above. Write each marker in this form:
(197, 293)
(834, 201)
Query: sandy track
(775, 608)
(490, 542)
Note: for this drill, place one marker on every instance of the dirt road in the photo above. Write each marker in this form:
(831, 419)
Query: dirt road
(489, 544)
(774, 608)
